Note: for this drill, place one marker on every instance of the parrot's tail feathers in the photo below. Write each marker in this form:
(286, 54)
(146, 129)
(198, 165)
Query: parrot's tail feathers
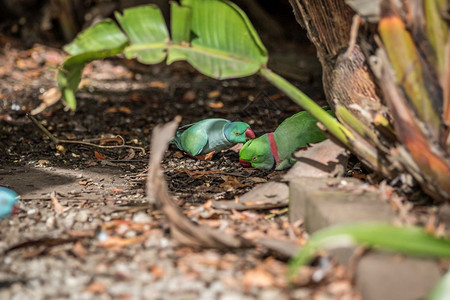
(176, 141)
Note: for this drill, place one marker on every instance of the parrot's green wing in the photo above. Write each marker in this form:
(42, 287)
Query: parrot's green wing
(298, 131)
(195, 141)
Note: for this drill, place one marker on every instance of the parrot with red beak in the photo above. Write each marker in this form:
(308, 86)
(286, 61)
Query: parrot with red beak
(274, 150)
(8, 202)
(211, 135)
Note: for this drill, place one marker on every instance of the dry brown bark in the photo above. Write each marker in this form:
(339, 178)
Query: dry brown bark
(346, 76)
(349, 53)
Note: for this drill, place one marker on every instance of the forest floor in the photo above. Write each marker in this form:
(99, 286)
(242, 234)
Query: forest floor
(86, 230)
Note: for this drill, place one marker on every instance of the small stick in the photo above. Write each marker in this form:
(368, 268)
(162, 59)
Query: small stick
(353, 35)
(280, 212)
(56, 205)
(59, 141)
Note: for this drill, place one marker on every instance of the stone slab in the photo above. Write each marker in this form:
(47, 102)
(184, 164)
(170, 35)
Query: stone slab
(326, 202)
(328, 208)
(319, 160)
(381, 276)
(444, 214)
(301, 187)
(271, 194)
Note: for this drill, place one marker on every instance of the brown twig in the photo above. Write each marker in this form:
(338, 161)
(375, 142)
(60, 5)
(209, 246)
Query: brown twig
(61, 141)
(181, 227)
(353, 35)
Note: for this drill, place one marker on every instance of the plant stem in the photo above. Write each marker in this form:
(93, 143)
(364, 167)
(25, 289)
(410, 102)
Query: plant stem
(333, 126)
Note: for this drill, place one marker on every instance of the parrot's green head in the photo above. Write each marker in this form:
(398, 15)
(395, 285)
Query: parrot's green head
(238, 132)
(257, 153)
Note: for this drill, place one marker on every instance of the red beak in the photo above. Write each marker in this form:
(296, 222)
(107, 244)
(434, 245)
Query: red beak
(15, 209)
(249, 133)
(245, 163)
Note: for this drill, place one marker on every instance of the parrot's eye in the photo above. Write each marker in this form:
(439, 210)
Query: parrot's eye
(254, 158)
(237, 133)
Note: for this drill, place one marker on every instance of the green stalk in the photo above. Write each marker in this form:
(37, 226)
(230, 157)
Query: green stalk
(349, 119)
(442, 289)
(436, 31)
(383, 236)
(333, 126)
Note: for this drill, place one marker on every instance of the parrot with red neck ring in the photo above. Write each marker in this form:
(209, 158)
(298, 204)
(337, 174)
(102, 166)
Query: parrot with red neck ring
(274, 150)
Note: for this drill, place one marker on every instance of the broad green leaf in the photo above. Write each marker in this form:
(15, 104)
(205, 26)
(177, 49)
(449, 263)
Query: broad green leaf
(105, 35)
(442, 290)
(69, 75)
(223, 42)
(406, 240)
(102, 40)
(181, 21)
(214, 36)
(147, 31)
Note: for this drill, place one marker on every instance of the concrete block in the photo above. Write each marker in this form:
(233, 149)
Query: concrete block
(381, 276)
(301, 187)
(326, 202)
(328, 208)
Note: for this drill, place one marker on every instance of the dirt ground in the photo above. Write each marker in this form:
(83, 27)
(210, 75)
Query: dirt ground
(86, 230)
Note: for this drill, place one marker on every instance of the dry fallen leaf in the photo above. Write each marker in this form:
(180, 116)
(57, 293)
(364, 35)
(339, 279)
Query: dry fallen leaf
(258, 179)
(49, 98)
(230, 182)
(276, 96)
(257, 277)
(99, 156)
(178, 154)
(209, 155)
(125, 110)
(56, 205)
(158, 84)
(157, 272)
(122, 109)
(79, 250)
(218, 104)
(214, 94)
(96, 288)
(111, 110)
(189, 96)
(114, 242)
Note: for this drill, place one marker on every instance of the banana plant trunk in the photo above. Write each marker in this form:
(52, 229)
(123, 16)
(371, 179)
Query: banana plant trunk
(385, 71)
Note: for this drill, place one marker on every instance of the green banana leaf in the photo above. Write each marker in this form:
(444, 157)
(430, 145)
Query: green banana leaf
(99, 41)
(214, 36)
(406, 240)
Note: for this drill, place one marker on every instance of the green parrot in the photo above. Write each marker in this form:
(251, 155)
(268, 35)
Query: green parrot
(8, 202)
(211, 135)
(274, 150)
